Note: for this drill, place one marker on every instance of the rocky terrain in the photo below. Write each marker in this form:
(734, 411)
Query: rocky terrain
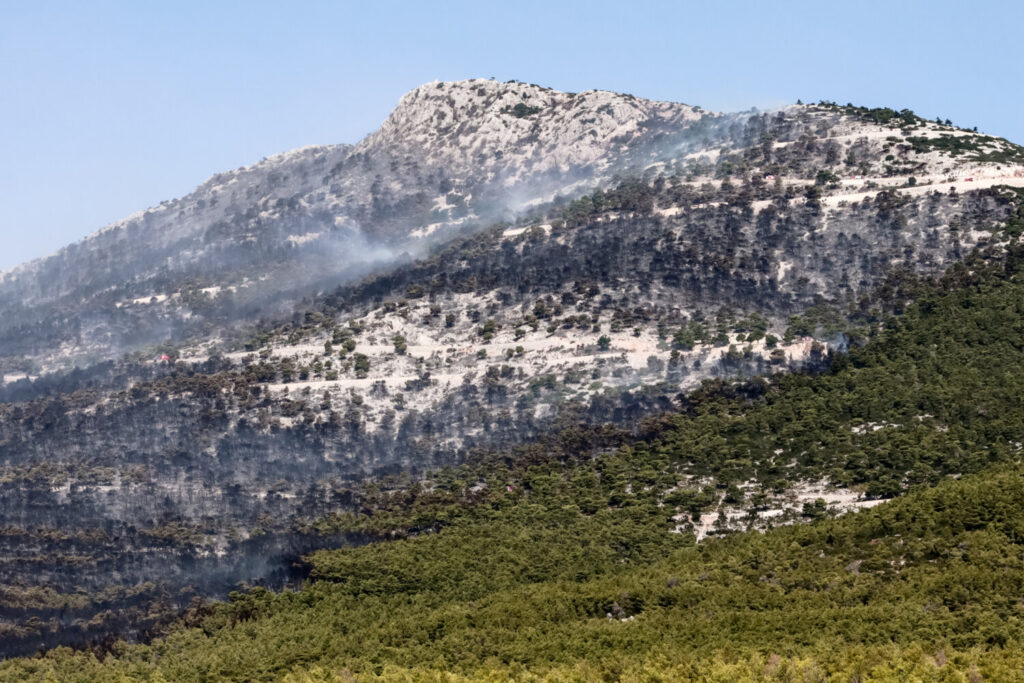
(188, 391)
(247, 243)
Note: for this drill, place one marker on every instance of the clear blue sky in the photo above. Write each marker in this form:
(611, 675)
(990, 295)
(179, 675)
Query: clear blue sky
(110, 107)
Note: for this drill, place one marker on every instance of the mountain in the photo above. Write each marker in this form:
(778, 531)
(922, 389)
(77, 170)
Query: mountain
(452, 157)
(248, 242)
(200, 394)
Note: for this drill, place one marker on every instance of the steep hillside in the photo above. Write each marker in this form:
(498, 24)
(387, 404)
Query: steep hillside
(452, 157)
(179, 496)
(198, 395)
(450, 154)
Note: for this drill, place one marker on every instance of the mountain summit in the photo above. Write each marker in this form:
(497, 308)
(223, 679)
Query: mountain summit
(450, 156)
(512, 131)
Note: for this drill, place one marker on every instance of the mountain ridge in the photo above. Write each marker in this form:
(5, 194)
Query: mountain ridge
(305, 216)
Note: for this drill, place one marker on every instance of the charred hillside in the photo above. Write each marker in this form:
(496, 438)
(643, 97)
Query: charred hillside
(190, 393)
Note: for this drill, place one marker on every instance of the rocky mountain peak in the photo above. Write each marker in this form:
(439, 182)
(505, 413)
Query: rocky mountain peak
(511, 129)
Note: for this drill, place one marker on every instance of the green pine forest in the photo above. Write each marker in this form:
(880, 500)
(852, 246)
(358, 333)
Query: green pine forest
(558, 561)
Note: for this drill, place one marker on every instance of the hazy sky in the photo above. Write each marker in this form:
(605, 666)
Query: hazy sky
(107, 108)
